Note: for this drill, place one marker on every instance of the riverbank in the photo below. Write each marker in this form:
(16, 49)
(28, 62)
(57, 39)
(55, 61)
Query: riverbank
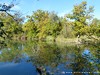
(62, 39)
(81, 40)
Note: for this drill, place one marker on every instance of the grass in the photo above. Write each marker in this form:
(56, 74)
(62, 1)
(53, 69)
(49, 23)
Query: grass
(66, 40)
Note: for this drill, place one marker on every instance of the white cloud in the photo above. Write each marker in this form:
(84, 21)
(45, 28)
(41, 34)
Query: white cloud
(61, 14)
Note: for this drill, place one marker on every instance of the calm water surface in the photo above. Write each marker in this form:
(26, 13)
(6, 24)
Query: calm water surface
(41, 58)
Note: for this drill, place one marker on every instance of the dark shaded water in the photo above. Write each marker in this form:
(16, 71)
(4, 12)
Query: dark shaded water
(41, 58)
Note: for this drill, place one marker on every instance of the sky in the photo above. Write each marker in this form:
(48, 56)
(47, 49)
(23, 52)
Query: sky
(61, 7)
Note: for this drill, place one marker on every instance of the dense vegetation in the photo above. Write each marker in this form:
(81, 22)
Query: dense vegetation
(42, 24)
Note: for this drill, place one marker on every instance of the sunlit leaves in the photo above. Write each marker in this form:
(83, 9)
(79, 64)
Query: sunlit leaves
(10, 25)
(80, 15)
(42, 23)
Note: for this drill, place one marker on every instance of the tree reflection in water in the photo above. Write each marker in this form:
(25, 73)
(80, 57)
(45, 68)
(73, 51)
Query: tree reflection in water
(52, 59)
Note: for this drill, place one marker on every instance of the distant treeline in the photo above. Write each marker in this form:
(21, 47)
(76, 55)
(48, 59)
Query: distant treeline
(42, 23)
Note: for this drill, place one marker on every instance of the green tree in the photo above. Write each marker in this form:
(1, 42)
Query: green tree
(54, 25)
(67, 30)
(2, 32)
(30, 29)
(11, 25)
(42, 24)
(95, 27)
(80, 15)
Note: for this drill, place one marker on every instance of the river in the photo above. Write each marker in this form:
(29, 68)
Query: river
(48, 58)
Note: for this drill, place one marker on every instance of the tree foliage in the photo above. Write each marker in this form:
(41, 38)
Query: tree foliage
(95, 27)
(42, 24)
(80, 15)
(9, 26)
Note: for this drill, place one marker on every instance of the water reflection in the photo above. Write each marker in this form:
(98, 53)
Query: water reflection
(33, 58)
